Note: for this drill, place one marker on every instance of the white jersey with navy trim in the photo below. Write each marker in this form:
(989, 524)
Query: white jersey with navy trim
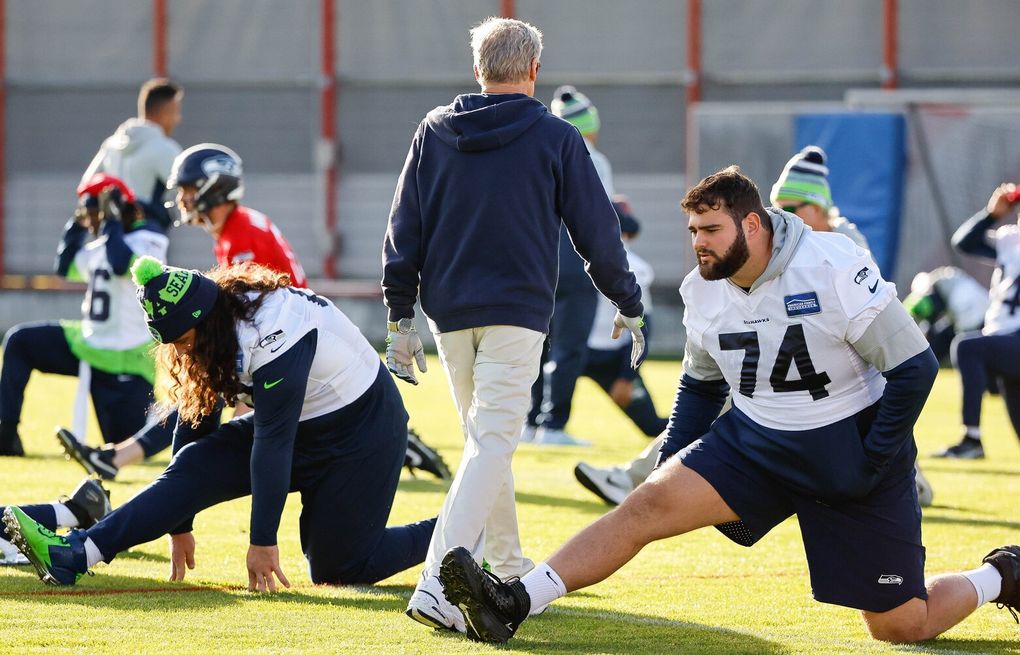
(785, 348)
(1003, 315)
(600, 337)
(345, 364)
(112, 318)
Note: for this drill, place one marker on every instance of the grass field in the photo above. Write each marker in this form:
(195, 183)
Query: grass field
(693, 594)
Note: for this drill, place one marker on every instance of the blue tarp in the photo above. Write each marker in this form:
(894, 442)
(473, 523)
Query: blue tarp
(867, 158)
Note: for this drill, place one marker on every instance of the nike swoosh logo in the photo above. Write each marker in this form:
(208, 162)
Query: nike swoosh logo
(873, 287)
(270, 385)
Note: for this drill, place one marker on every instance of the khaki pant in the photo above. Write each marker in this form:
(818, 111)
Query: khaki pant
(491, 370)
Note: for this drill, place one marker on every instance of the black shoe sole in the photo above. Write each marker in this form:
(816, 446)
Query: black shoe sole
(69, 444)
(460, 577)
(587, 483)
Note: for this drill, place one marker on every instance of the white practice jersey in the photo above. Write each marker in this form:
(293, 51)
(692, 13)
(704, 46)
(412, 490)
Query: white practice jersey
(1003, 316)
(785, 348)
(600, 337)
(966, 300)
(112, 318)
(345, 364)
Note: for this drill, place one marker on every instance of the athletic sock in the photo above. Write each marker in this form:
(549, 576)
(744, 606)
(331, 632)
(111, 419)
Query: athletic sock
(65, 517)
(543, 586)
(972, 432)
(987, 582)
(92, 553)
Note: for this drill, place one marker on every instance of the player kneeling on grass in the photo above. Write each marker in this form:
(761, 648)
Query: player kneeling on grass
(327, 422)
(830, 373)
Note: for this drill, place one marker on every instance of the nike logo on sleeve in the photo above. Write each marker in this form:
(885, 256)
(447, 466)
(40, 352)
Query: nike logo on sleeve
(270, 385)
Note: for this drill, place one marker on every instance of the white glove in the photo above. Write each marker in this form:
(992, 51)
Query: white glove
(639, 345)
(403, 346)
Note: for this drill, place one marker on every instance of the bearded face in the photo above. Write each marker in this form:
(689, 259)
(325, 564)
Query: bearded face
(715, 266)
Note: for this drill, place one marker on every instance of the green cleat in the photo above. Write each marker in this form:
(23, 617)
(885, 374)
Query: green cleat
(58, 560)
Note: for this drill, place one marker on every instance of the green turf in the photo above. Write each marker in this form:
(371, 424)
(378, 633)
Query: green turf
(693, 594)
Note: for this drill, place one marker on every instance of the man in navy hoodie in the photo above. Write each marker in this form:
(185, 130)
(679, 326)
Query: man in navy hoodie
(474, 230)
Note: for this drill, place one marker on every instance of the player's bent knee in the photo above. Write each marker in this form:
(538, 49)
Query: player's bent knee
(903, 625)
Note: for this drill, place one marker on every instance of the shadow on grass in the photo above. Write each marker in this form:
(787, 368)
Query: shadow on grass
(964, 646)
(142, 556)
(595, 507)
(929, 466)
(976, 522)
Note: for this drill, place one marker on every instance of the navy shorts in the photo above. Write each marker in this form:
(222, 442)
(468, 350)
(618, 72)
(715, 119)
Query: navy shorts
(864, 553)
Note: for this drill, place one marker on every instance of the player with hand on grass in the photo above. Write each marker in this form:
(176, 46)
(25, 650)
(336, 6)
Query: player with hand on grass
(829, 374)
(328, 422)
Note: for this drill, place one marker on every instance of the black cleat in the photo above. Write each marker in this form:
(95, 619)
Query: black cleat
(95, 461)
(10, 442)
(89, 503)
(419, 456)
(968, 448)
(492, 609)
(1006, 561)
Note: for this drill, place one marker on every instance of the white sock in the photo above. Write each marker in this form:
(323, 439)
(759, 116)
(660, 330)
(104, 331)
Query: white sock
(92, 553)
(65, 517)
(543, 586)
(987, 583)
(973, 432)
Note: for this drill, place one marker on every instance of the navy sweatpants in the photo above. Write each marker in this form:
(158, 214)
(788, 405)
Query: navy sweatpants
(979, 357)
(568, 353)
(346, 466)
(121, 401)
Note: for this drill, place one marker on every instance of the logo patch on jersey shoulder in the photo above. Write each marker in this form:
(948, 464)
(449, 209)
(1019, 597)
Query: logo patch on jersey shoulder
(272, 338)
(862, 275)
(240, 257)
(890, 579)
(800, 304)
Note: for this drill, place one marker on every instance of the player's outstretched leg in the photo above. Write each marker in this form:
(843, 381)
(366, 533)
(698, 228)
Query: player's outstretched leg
(58, 560)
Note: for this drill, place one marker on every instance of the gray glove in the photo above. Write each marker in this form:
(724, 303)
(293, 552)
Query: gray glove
(638, 329)
(403, 346)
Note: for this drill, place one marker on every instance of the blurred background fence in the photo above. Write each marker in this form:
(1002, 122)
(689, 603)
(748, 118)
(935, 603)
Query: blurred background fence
(320, 98)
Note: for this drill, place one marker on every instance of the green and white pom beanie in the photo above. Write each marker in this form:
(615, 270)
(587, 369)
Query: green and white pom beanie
(804, 179)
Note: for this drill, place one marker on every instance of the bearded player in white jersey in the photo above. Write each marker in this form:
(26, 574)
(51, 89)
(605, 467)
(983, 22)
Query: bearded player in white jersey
(829, 374)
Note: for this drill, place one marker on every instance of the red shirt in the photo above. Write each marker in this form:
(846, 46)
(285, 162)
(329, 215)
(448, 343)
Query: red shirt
(249, 236)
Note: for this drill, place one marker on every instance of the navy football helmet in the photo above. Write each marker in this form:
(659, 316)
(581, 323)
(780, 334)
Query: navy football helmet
(214, 170)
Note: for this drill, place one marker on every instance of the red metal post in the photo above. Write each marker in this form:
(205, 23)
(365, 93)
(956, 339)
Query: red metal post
(327, 103)
(159, 37)
(890, 53)
(693, 81)
(507, 9)
(3, 126)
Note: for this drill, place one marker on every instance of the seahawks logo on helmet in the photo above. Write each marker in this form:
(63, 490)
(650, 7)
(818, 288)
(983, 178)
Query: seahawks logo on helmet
(224, 165)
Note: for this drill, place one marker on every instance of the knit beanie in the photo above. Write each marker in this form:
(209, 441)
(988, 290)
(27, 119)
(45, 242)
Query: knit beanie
(804, 179)
(574, 107)
(629, 223)
(174, 300)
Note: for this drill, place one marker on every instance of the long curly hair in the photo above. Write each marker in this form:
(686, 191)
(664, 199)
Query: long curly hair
(196, 380)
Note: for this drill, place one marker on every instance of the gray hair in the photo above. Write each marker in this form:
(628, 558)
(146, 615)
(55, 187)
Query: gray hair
(504, 48)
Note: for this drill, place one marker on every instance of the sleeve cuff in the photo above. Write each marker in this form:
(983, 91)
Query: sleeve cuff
(397, 313)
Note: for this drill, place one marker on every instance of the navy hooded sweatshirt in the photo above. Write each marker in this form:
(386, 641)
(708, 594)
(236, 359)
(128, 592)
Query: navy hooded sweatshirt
(476, 217)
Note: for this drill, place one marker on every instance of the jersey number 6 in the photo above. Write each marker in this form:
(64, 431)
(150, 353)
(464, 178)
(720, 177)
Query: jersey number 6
(793, 349)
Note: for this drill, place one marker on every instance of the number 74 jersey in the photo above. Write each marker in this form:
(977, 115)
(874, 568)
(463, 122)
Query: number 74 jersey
(786, 347)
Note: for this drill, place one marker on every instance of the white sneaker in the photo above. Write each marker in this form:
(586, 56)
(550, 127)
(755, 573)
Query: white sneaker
(428, 605)
(925, 492)
(528, 433)
(610, 484)
(9, 555)
(547, 437)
